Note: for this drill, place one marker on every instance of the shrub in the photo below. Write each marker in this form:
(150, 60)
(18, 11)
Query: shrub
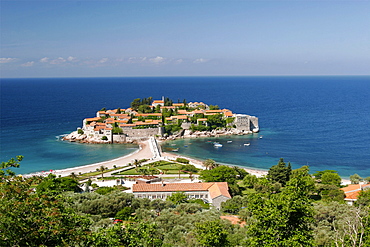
(189, 168)
(80, 132)
(104, 138)
(182, 160)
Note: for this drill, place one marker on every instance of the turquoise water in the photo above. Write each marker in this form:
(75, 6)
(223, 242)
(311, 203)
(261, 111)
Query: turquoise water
(320, 121)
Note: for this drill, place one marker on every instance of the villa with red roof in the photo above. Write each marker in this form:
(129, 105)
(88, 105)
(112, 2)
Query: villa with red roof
(352, 192)
(213, 192)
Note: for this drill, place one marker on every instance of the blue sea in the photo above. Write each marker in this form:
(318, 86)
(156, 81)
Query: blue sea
(320, 121)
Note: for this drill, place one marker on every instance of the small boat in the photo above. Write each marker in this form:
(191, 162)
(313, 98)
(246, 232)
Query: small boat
(175, 150)
(260, 137)
(247, 144)
(217, 145)
(229, 141)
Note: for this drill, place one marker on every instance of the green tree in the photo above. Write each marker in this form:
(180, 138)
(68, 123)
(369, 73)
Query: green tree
(52, 184)
(283, 219)
(182, 160)
(339, 224)
(219, 174)
(333, 195)
(331, 178)
(105, 190)
(177, 198)
(355, 179)
(117, 130)
(234, 205)
(209, 164)
(363, 198)
(30, 219)
(135, 104)
(319, 174)
(216, 121)
(211, 233)
(189, 168)
(10, 163)
(104, 138)
(249, 181)
(141, 234)
(80, 132)
(214, 107)
(280, 173)
(125, 213)
(106, 205)
(240, 172)
(102, 170)
(144, 109)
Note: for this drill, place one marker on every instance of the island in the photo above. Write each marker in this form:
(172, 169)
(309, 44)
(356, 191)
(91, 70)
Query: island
(162, 119)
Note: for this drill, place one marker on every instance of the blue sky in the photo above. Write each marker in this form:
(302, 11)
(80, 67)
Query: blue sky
(184, 38)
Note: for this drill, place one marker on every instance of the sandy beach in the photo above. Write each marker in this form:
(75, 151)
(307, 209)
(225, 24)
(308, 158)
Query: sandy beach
(145, 152)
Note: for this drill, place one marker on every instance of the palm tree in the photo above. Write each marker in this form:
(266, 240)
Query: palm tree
(73, 175)
(102, 169)
(209, 164)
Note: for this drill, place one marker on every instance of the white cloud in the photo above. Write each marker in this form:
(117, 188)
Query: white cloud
(200, 60)
(157, 60)
(28, 64)
(103, 60)
(44, 60)
(59, 60)
(137, 59)
(7, 59)
(71, 59)
(178, 61)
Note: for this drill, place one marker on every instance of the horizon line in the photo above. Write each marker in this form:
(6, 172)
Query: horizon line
(174, 76)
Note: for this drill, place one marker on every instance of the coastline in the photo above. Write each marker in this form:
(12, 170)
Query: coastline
(144, 152)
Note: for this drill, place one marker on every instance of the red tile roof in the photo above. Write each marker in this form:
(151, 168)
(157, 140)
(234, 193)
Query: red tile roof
(127, 125)
(352, 191)
(215, 188)
(228, 114)
(92, 119)
(213, 111)
(149, 114)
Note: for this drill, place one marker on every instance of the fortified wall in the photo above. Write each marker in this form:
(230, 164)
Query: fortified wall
(141, 134)
(246, 123)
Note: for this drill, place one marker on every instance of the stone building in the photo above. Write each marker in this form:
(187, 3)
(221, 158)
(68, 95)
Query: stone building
(246, 123)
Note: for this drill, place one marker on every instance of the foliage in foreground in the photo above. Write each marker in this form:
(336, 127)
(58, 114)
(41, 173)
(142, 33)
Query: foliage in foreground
(274, 214)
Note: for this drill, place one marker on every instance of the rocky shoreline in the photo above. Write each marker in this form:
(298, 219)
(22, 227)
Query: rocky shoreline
(83, 138)
(213, 133)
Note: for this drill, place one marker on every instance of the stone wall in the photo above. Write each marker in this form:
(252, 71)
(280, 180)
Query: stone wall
(216, 202)
(119, 138)
(254, 122)
(140, 133)
(245, 122)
